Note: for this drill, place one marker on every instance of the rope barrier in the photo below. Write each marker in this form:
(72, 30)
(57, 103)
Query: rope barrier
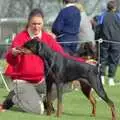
(107, 41)
(100, 40)
(73, 42)
(67, 42)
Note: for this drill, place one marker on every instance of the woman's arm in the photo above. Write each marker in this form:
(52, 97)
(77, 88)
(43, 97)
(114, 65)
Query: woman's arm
(12, 55)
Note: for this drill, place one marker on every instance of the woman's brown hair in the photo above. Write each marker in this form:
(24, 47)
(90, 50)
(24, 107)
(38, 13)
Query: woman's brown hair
(35, 12)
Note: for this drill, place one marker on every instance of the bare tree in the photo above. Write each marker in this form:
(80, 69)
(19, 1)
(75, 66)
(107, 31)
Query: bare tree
(21, 8)
(3, 7)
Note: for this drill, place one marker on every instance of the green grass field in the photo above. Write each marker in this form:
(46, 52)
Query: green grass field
(76, 106)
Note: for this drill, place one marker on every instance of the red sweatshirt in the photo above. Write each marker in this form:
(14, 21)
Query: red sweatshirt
(29, 67)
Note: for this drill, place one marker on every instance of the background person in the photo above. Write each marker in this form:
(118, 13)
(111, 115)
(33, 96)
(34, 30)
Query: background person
(66, 26)
(110, 47)
(86, 33)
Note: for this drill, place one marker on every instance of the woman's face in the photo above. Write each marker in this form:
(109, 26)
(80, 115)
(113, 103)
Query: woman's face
(36, 24)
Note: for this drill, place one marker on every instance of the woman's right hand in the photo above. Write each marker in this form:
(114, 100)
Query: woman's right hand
(16, 51)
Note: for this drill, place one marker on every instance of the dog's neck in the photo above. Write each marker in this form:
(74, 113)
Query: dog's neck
(48, 54)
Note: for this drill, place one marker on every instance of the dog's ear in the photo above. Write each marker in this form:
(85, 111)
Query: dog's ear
(32, 45)
(39, 48)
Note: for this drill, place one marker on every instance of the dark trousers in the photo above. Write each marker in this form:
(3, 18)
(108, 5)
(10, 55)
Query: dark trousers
(8, 103)
(109, 56)
(69, 43)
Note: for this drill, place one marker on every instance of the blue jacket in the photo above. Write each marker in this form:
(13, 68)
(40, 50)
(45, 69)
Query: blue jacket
(66, 27)
(67, 21)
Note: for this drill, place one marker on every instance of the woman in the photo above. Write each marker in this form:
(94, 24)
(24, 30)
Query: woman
(27, 71)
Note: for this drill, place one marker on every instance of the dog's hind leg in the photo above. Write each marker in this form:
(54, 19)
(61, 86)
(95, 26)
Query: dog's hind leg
(49, 95)
(87, 91)
(59, 87)
(96, 84)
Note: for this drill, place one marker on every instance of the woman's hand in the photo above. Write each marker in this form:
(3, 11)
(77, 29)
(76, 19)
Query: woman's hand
(16, 51)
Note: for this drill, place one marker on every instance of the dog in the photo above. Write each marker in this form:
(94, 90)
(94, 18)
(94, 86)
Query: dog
(61, 69)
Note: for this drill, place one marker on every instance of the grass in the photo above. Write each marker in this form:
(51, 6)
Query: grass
(76, 106)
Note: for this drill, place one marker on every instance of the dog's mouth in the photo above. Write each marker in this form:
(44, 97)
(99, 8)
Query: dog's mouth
(26, 50)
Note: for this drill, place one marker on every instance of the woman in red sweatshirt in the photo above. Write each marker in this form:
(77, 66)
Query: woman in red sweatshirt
(27, 71)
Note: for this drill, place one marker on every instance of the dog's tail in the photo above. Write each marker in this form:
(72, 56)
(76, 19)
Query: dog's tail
(101, 92)
(96, 84)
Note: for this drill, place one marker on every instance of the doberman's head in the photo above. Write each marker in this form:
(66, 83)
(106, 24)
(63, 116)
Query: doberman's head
(31, 45)
(36, 46)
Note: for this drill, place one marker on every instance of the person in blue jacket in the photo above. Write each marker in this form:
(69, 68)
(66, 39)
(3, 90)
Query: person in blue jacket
(110, 47)
(66, 26)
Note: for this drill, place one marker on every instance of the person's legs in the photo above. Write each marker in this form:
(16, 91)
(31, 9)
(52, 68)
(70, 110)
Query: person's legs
(69, 43)
(27, 98)
(69, 48)
(114, 56)
(41, 89)
(8, 103)
(103, 59)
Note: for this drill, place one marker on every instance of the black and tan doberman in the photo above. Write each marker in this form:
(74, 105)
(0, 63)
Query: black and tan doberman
(61, 69)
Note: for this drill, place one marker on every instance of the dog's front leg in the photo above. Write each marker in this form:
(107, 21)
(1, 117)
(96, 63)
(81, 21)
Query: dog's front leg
(59, 87)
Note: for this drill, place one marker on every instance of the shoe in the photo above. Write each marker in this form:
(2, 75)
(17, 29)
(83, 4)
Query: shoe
(103, 80)
(111, 82)
(1, 108)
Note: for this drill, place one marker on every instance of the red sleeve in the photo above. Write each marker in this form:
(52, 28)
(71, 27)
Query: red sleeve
(52, 43)
(17, 42)
(11, 59)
